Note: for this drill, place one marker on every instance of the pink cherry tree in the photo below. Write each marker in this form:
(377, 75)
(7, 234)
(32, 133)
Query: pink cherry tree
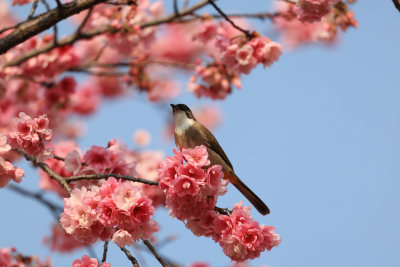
(110, 193)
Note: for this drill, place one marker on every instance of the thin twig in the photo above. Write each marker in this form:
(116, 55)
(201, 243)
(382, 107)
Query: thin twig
(54, 208)
(176, 10)
(246, 32)
(78, 31)
(55, 38)
(58, 157)
(155, 253)
(105, 250)
(66, 41)
(222, 211)
(33, 9)
(99, 176)
(130, 257)
(59, 5)
(185, 4)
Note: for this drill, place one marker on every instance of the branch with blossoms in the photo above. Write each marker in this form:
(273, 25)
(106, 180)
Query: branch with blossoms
(125, 45)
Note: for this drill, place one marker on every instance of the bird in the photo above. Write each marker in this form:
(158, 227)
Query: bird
(190, 133)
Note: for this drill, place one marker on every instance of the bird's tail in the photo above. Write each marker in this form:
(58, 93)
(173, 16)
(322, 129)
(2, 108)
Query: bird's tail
(253, 198)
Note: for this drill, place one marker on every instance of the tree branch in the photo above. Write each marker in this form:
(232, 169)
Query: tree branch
(89, 34)
(246, 32)
(60, 179)
(54, 208)
(155, 253)
(33, 9)
(396, 4)
(99, 176)
(66, 41)
(103, 260)
(43, 22)
(130, 257)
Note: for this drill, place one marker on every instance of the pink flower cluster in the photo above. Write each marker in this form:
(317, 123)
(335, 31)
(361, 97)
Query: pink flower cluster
(192, 191)
(31, 135)
(87, 261)
(241, 56)
(237, 56)
(46, 65)
(9, 257)
(7, 170)
(116, 210)
(216, 81)
(325, 30)
(100, 160)
(313, 10)
(61, 241)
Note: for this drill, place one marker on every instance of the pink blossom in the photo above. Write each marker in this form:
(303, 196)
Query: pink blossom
(61, 241)
(313, 10)
(31, 140)
(98, 158)
(185, 185)
(243, 54)
(6, 257)
(191, 195)
(125, 195)
(85, 261)
(86, 100)
(8, 172)
(216, 80)
(122, 238)
(141, 210)
(73, 162)
(141, 137)
(177, 35)
(197, 156)
(206, 31)
(21, 2)
(210, 116)
(163, 90)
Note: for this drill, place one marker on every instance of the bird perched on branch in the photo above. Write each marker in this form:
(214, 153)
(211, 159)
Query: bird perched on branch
(190, 133)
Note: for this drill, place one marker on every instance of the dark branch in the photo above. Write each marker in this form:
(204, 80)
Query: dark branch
(103, 260)
(155, 253)
(54, 208)
(176, 10)
(32, 12)
(396, 4)
(60, 179)
(99, 176)
(246, 32)
(130, 257)
(43, 22)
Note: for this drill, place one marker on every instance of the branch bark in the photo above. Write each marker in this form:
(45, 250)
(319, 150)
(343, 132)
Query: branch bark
(43, 22)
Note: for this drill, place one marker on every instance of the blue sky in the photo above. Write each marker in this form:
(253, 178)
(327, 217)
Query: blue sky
(316, 136)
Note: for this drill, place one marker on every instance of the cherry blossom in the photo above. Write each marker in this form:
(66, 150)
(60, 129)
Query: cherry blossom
(192, 194)
(86, 261)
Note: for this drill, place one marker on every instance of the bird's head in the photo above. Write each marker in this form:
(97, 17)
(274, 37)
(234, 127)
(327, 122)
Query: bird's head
(181, 110)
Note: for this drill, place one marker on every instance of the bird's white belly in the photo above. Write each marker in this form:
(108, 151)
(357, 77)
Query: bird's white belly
(182, 124)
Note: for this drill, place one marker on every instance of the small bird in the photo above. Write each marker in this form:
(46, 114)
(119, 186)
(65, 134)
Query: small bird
(190, 133)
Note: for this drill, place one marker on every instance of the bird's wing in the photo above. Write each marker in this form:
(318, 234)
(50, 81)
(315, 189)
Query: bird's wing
(211, 142)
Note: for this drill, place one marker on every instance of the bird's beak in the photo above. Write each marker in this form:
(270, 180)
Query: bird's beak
(173, 106)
